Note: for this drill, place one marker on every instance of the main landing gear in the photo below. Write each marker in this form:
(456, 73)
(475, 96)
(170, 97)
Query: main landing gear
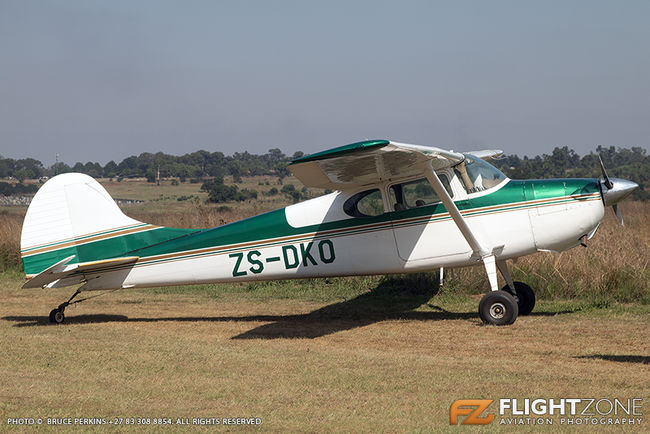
(56, 315)
(502, 307)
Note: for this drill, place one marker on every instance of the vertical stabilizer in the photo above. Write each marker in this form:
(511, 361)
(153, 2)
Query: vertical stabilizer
(67, 211)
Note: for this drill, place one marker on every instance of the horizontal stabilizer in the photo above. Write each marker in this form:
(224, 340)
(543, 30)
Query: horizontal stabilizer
(46, 276)
(61, 270)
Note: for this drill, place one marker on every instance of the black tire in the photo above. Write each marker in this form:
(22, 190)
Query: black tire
(57, 316)
(525, 297)
(498, 308)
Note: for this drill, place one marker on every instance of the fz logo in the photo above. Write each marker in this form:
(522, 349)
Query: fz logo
(472, 408)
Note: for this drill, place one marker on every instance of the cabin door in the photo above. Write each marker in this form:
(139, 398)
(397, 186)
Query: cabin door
(423, 230)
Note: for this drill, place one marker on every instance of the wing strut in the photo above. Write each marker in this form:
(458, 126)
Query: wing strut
(486, 256)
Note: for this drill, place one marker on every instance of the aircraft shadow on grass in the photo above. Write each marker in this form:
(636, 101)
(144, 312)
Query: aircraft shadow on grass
(395, 298)
(625, 358)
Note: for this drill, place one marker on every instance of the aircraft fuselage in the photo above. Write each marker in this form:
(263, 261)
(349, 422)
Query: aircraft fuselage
(316, 238)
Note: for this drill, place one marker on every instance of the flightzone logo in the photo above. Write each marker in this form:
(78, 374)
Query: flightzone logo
(472, 408)
(540, 411)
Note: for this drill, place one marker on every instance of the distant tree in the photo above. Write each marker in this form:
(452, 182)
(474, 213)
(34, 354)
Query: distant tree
(93, 169)
(129, 167)
(8, 189)
(26, 168)
(59, 168)
(218, 192)
(111, 169)
(292, 193)
(282, 171)
(6, 167)
(151, 174)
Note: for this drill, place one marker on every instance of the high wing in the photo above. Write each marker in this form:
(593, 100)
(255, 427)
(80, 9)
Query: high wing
(376, 161)
(369, 162)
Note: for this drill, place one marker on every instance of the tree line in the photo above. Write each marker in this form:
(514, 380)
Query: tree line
(195, 165)
(629, 163)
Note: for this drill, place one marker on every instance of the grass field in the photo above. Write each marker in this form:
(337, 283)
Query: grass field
(390, 361)
(351, 354)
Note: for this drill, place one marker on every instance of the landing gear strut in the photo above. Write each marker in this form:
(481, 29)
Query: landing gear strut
(56, 315)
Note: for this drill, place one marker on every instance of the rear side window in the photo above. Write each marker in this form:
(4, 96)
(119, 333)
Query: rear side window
(365, 204)
(416, 193)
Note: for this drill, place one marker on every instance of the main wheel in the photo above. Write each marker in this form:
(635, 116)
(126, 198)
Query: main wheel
(525, 297)
(498, 308)
(57, 316)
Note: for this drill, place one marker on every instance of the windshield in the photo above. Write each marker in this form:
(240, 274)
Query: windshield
(478, 175)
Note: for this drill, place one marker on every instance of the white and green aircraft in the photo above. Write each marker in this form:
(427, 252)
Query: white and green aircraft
(396, 208)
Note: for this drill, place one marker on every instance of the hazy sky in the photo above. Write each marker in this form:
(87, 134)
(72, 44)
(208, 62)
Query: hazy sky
(102, 80)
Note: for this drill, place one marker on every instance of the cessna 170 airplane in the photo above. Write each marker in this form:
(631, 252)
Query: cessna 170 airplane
(396, 208)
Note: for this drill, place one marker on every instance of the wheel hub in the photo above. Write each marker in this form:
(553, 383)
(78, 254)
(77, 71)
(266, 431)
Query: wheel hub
(497, 310)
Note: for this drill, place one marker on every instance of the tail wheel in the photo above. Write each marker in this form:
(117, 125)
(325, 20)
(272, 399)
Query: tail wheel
(57, 316)
(525, 297)
(498, 308)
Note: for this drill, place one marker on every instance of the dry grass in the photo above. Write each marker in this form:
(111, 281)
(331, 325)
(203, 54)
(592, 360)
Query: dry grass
(11, 221)
(303, 366)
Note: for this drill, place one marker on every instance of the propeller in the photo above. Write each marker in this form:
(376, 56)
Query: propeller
(614, 190)
(607, 182)
(618, 214)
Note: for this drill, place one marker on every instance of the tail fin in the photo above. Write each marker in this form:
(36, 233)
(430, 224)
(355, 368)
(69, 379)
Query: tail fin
(72, 214)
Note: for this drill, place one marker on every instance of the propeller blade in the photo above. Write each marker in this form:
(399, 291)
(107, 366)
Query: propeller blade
(608, 183)
(619, 215)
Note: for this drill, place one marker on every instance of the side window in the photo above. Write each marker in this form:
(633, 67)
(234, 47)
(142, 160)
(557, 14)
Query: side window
(365, 204)
(416, 193)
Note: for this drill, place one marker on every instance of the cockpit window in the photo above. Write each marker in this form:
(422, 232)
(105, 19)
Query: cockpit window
(416, 193)
(478, 175)
(365, 204)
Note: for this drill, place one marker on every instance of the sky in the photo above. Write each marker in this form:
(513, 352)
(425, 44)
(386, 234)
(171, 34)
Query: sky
(103, 80)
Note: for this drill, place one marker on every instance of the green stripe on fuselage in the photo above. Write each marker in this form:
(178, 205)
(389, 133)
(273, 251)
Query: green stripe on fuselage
(82, 238)
(274, 225)
(104, 249)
